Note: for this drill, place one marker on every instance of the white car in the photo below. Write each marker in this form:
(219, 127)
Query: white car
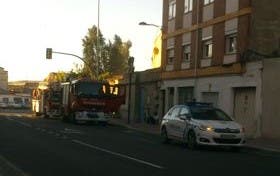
(201, 124)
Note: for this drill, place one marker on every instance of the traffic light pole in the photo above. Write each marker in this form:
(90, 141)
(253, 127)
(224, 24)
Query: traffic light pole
(69, 54)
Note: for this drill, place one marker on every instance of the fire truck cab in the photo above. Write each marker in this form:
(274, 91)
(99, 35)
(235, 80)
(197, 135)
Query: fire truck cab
(86, 101)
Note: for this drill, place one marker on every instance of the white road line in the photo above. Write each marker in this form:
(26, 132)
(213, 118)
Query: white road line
(118, 154)
(15, 169)
(22, 123)
(71, 131)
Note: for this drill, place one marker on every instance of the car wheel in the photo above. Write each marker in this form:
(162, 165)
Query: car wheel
(192, 140)
(164, 135)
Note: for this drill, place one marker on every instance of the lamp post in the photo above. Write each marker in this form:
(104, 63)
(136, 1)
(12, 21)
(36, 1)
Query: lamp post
(130, 71)
(98, 43)
(149, 24)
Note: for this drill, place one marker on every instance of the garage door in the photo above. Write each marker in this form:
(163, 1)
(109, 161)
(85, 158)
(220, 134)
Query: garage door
(244, 109)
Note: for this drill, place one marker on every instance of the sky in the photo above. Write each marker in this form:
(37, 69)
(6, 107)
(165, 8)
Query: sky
(29, 27)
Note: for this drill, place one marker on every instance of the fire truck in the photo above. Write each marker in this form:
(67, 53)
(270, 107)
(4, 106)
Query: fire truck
(47, 101)
(86, 100)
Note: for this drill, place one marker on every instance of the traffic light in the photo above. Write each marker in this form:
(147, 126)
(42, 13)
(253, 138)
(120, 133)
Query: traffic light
(49, 53)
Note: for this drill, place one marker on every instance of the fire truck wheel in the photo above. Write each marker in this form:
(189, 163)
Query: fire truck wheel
(64, 119)
(73, 118)
(45, 114)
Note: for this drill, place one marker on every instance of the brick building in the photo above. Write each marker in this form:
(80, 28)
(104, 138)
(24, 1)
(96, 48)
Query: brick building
(213, 50)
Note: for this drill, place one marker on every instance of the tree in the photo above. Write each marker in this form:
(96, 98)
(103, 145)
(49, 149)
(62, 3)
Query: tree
(93, 44)
(113, 57)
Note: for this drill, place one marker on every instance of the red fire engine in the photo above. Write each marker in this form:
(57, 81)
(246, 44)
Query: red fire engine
(89, 101)
(47, 101)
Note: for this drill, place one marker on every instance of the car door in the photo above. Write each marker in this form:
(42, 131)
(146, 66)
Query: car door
(172, 121)
(166, 120)
(181, 121)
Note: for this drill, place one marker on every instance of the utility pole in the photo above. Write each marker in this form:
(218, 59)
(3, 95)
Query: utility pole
(130, 71)
(196, 49)
(98, 42)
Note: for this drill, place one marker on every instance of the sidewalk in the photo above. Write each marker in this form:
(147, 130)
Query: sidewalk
(143, 127)
(262, 144)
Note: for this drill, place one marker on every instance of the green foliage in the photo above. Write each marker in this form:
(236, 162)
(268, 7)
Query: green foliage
(103, 59)
(93, 46)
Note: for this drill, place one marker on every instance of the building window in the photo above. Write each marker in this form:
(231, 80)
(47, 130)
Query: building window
(185, 94)
(231, 44)
(6, 100)
(170, 56)
(187, 53)
(207, 49)
(188, 6)
(208, 2)
(172, 10)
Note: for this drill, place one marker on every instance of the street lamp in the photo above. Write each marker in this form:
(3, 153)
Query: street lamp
(148, 24)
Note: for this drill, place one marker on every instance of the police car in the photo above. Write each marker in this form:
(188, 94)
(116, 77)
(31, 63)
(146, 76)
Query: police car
(201, 124)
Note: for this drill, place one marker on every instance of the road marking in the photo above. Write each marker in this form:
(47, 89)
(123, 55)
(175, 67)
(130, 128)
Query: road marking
(15, 170)
(118, 154)
(22, 123)
(50, 132)
(64, 137)
(67, 130)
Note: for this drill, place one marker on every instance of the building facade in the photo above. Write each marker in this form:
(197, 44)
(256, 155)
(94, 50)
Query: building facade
(3, 79)
(213, 51)
(144, 101)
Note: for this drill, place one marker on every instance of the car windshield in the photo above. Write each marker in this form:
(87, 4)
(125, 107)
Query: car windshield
(209, 114)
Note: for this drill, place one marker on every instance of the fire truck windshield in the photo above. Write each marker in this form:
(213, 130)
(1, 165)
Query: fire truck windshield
(89, 89)
(56, 96)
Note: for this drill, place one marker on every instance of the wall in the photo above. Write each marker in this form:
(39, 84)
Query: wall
(265, 26)
(3, 79)
(144, 95)
(271, 95)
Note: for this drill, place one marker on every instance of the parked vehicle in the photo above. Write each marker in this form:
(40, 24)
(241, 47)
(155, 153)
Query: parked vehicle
(89, 101)
(3, 105)
(14, 101)
(48, 101)
(201, 124)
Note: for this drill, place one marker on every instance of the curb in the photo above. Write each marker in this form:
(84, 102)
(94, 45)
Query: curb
(262, 149)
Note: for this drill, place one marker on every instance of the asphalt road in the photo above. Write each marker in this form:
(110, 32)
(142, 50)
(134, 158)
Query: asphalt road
(44, 147)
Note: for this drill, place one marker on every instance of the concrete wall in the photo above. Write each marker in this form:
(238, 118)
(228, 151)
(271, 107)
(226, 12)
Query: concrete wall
(271, 97)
